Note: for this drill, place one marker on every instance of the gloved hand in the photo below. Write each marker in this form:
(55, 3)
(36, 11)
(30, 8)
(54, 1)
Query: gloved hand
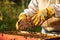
(21, 16)
(43, 15)
(39, 17)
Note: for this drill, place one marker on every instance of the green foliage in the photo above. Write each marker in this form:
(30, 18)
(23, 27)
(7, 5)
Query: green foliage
(10, 10)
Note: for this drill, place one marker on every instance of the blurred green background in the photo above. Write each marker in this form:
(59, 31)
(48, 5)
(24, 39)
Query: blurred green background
(9, 12)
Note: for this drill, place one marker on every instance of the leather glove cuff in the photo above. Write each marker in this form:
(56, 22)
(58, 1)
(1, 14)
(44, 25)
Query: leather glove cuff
(50, 11)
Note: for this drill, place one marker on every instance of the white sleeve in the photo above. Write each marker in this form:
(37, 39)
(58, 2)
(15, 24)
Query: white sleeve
(57, 10)
(32, 8)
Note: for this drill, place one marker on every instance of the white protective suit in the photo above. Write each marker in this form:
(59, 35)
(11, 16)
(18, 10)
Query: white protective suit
(36, 5)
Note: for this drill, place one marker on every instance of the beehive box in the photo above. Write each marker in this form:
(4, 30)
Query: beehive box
(27, 36)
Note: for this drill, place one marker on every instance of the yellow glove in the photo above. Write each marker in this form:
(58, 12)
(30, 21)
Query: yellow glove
(39, 17)
(43, 15)
(21, 16)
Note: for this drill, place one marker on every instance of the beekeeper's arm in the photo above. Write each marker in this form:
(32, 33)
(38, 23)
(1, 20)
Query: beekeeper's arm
(57, 10)
(32, 8)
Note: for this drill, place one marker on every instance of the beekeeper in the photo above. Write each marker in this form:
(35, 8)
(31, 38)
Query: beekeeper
(47, 14)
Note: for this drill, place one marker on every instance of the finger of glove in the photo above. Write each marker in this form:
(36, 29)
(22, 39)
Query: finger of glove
(17, 25)
(42, 17)
(37, 22)
(22, 16)
(34, 21)
(41, 20)
(34, 17)
(37, 19)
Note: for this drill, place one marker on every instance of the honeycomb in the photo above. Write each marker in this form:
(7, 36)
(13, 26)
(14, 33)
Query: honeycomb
(25, 24)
